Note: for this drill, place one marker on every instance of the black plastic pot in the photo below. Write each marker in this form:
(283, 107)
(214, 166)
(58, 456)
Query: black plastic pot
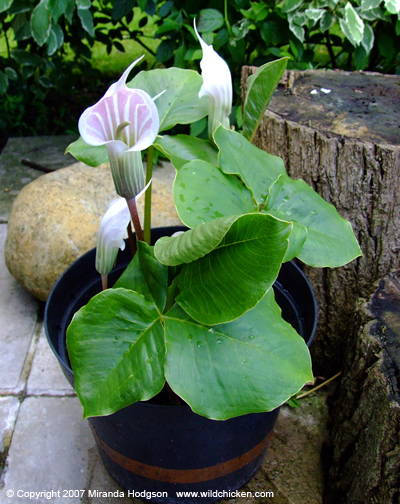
(156, 451)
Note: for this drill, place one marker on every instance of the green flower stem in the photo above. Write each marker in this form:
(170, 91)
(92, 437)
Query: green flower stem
(228, 26)
(135, 218)
(147, 196)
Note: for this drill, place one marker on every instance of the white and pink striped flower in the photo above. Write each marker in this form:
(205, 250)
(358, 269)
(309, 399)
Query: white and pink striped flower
(110, 237)
(126, 120)
(111, 233)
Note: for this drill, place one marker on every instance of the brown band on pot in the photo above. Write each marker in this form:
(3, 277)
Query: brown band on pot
(185, 475)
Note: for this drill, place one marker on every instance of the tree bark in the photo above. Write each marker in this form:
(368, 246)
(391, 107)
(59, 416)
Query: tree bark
(349, 158)
(365, 442)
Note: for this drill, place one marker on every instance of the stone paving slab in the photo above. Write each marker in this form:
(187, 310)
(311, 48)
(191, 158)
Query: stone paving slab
(46, 377)
(9, 407)
(47, 151)
(103, 482)
(49, 450)
(18, 313)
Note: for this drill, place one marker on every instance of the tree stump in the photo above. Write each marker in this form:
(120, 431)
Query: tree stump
(340, 132)
(365, 442)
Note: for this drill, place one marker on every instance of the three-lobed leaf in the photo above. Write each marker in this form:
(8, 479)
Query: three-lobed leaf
(330, 241)
(193, 244)
(117, 351)
(180, 149)
(255, 167)
(252, 364)
(202, 192)
(180, 102)
(88, 154)
(236, 274)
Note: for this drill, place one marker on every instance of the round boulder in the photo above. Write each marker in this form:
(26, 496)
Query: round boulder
(55, 219)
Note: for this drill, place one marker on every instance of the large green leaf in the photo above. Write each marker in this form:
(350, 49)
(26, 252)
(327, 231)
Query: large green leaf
(86, 18)
(88, 154)
(5, 5)
(330, 241)
(117, 351)
(354, 23)
(180, 103)
(55, 40)
(291, 5)
(181, 149)
(203, 193)
(233, 277)
(121, 8)
(57, 8)
(256, 168)
(40, 23)
(393, 6)
(192, 244)
(26, 58)
(250, 365)
(210, 20)
(370, 4)
(261, 87)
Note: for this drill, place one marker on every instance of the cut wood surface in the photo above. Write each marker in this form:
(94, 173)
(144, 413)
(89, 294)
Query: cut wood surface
(365, 442)
(340, 133)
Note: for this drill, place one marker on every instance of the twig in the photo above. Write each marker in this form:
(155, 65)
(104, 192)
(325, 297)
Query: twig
(135, 38)
(37, 166)
(330, 49)
(318, 386)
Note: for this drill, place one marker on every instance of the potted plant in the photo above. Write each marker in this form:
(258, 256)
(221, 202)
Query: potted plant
(190, 337)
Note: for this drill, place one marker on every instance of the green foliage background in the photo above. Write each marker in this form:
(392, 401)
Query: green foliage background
(58, 56)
